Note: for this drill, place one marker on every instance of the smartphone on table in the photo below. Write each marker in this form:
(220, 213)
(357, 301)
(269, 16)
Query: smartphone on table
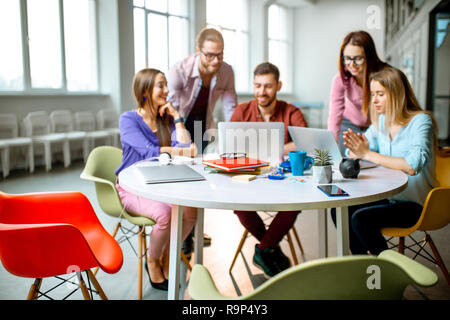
(332, 190)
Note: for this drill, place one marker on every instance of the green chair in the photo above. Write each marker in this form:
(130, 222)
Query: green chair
(100, 168)
(350, 277)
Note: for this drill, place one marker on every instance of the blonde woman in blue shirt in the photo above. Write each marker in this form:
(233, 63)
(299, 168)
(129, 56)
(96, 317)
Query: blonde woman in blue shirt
(402, 137)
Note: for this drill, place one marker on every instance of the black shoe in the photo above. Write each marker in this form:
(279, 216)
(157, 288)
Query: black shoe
(157, 285)
(188, 247)
(188, 244)
(281, 260)
(160, 285)
(265, 260)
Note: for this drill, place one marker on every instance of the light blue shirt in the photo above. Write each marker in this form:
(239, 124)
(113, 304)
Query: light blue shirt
(415, 143)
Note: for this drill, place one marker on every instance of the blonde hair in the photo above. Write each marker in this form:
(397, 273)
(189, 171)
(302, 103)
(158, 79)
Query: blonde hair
(208, 34)
(143, 84)
(402, 104)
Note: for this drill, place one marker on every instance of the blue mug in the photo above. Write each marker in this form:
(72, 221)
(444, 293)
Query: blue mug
(299, 162)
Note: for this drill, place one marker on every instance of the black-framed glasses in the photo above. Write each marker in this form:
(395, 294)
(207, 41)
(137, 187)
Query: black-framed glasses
(233, 155)
(358, 60)
(210, 56)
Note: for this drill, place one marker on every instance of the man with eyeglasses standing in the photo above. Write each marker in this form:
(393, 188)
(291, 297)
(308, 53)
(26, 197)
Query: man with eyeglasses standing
(197, 82)
(350, 91)
(195, 85)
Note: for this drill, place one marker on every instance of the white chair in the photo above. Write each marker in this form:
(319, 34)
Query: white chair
(107, 119)
(9, 138)
(37, 126)
(85, 121)
(62, 122)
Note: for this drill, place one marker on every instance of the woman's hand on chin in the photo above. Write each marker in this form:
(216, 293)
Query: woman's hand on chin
(170, 110)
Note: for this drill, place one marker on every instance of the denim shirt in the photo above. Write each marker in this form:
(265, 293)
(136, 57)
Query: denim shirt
(413, 142)
(139, 142)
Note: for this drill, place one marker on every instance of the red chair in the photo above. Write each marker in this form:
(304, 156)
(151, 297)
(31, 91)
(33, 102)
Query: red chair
(50, 234)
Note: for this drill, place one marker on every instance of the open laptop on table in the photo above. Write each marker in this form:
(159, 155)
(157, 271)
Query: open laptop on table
(259, 140)
(307, 139)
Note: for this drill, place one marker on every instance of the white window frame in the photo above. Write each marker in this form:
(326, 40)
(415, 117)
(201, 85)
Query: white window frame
(27, 87)
(164, 14)
(248, 33)
(288, 84)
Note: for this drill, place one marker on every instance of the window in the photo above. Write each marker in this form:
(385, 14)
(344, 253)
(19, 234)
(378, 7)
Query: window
(231, 18)
(11, 66)
(279, 44)
(61, 51)
(161, 33)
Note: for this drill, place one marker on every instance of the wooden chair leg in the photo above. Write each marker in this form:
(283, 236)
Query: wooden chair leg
(113, 235)
(401, 245)
(141, 238)
(97, 285)
(291, 245)
(297, 239)
(32, 294)
(438, 258)
(83, 287)
(239, 248)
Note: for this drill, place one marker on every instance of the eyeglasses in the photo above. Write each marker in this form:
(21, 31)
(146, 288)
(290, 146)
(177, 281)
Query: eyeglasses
(358, 60)
(211, 56)
(233, 155)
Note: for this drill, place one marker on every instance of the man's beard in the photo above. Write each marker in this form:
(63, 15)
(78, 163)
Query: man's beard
(268, 103)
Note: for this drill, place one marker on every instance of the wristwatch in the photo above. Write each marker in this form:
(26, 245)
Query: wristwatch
(180, 119)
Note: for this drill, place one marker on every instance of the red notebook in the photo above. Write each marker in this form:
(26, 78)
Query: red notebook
(235, 164)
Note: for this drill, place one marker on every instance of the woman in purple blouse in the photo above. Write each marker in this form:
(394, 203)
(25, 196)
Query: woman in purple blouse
(154, 127)
(350, 91)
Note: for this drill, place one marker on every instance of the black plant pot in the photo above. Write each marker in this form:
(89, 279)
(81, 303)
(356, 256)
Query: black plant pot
(349, 168)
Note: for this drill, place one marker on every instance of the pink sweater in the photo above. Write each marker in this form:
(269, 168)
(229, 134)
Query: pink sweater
(345, 101)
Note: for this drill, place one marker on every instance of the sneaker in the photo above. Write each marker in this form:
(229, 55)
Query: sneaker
(281, 260)
(265, 260)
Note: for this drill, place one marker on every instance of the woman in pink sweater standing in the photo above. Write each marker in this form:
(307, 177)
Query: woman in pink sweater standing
(350, 91)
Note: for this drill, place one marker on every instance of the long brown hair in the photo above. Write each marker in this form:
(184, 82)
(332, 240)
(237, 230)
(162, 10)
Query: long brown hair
(143, 84)
(402, 104)
(372, 62)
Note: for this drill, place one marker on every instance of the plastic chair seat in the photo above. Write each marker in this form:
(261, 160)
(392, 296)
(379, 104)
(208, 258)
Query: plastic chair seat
(50, 234)
(76, 135)
(16, 142)
(340, 278)
(51, 137)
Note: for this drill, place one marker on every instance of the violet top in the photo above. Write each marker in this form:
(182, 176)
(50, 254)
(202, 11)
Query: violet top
(346, 99)
(139, 142)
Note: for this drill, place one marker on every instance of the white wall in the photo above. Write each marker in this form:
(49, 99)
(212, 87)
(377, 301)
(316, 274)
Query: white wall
(319, 31)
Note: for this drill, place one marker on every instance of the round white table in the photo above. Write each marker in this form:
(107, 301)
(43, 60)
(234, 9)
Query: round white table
(218, 191)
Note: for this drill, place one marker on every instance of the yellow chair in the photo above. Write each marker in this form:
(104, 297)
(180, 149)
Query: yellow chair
(246, 234)
(100, 169)
(435, 215)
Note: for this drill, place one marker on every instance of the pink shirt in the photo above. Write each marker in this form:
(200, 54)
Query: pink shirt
(345, 101)
(184, 84)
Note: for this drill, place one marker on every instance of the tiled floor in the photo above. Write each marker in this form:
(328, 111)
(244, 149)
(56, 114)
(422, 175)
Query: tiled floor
(222, 225)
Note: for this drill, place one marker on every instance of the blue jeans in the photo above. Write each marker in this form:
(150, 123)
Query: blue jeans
(368, 219)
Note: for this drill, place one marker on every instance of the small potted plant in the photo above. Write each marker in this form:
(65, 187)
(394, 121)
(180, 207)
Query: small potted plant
(322, 168)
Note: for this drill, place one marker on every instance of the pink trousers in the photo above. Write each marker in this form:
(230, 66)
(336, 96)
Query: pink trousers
(160, 213)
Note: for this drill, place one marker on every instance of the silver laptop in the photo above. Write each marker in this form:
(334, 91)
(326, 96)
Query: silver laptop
(259, 140)
(169, 173)
(307, 139)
